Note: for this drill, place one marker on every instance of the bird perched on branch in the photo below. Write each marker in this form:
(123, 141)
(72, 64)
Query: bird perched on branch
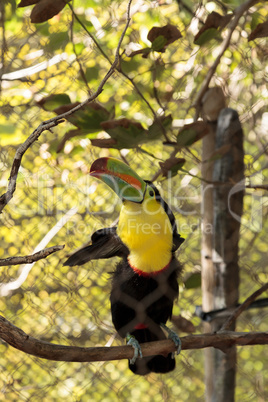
(144, 283)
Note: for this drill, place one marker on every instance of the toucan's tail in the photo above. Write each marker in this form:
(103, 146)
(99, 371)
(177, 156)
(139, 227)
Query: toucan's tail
(148, 364)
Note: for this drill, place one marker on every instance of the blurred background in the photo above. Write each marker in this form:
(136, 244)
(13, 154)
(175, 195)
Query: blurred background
(48, 66)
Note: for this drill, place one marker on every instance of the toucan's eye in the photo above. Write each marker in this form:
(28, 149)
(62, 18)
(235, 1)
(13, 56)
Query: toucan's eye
(151, 193)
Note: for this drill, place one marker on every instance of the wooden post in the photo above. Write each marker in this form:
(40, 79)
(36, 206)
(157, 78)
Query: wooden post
(208, 277)
(220, 236)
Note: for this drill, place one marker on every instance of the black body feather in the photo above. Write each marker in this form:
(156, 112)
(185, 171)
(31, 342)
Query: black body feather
(137, 299)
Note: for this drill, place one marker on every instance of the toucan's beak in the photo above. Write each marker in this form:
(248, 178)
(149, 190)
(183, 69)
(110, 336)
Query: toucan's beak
(120, 177)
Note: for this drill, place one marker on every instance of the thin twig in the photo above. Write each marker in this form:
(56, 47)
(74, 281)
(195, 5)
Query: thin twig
(28, 259)
(190, 11)
(172, 155)
(154, 79)
(238, 13)
(7, 288)
(17, 338)
(257, 186)
(243, 307)
(82, 73)
(92, 37)
(48, 124)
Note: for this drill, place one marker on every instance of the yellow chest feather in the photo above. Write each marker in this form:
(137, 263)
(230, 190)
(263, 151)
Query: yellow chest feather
(146, 230)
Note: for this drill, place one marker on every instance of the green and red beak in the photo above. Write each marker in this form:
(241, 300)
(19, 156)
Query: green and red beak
(120, 178)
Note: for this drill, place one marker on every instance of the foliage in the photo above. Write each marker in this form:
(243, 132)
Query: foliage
(145, 114)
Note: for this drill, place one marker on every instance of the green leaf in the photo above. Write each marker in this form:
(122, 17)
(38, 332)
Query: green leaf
(79, 47)
(54, 101)
(128, 66)
(155, 131)
(174, 170)
(193, 281)
(256, 18)
(77, 150)
(127, 133)
(191, 133)
(171, 166)
(92, 73)
(89, 118)
(159, 43)
(145, 52)
(186, 137)
(57, 41)
(44, 29)
(206, 36)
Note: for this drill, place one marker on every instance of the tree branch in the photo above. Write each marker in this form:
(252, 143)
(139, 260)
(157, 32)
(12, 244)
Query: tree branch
(243, 307)
(258, 186)
(238, 12)
(17, 338)
(48, 124)
(28, 259)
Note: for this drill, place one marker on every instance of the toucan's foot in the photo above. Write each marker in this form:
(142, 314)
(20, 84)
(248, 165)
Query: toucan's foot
(132, 341)
(174, 337)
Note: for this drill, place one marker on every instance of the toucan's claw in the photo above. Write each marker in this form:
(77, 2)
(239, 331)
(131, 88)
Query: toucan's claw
(174, 337)
(132, 341)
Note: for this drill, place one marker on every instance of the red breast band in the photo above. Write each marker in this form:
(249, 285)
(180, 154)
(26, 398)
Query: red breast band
(140, 326)
(148, 274)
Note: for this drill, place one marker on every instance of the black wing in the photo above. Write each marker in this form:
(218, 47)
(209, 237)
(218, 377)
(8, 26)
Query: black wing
(105, 243)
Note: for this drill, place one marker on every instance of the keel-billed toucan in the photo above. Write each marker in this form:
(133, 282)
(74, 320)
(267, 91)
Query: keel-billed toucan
(144, 284)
